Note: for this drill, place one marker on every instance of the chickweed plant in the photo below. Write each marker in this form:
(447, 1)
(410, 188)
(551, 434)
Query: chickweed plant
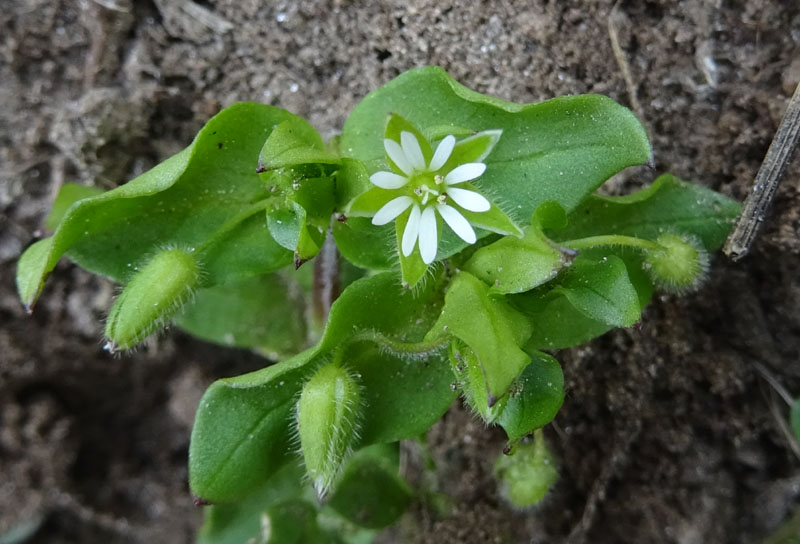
(467, 242)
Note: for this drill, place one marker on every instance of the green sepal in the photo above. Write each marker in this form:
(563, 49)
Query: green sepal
(795, 419)
(412, 268)
(495, 219)
(474, 148)
(153, 296)
(527, 474)
(397, 125)
(472, 382)
(328, 414)
(491, 329)
(368, 203)
(535, 397)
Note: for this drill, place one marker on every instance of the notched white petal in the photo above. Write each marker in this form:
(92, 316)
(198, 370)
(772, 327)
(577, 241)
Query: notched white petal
(428, 236)
(412, 150)
(443, 152)
(469, 200)
(411, 231)
(457, 222)
(398, 156)
(388, 180)
(391, 210)
(465, 172)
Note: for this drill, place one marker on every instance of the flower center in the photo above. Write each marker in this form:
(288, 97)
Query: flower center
(427, 186)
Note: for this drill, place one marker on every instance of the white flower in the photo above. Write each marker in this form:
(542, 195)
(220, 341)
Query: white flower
(428, 191)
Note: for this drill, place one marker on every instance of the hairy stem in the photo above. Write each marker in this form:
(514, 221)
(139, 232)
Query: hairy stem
(611, 240)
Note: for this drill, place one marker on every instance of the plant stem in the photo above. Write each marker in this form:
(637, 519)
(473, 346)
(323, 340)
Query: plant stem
(326, 287)
(611, 240)
(399, 347)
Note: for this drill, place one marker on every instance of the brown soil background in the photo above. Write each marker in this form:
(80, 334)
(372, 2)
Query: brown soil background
(667, 433)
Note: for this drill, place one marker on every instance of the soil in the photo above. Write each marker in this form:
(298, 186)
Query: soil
(668, 433)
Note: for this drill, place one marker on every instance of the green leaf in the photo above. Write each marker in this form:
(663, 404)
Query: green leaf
(489, 327)
(291, 228)
(195, 199)
(291, 522)
(795, 419)
(68, 194)
(550, 215)
(242, 430)
(535, 398)
(514, 265)
(668, 205)
(352, 179)
(370, 492)
(294, 142)
(364, 244)
(404, 392)
(379, 305)
(604, 288)
(264, 312)
(558, 150)
(244, 424)
(241, 521)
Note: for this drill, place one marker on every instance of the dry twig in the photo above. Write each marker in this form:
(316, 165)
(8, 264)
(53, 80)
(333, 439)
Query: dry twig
(766, 185)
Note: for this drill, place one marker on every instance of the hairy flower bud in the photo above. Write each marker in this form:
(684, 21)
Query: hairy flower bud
(153, 296)
(527, 474)
(327, 423)
(679, 266)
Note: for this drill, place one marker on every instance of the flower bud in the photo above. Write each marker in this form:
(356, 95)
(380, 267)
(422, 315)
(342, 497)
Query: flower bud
(327, 423)
(679, 266)
(153, 296)
(527, 473)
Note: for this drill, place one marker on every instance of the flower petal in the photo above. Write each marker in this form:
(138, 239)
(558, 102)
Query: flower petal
(465, 172)
(469, 200)
(388, 180)
(411, 231)
(395, 152)
(428, 237)
(412, 150)
(443, 151)
(457, 222)
(392, 209)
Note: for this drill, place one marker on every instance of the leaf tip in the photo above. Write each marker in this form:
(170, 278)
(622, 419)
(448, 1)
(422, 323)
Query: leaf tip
(299, 261)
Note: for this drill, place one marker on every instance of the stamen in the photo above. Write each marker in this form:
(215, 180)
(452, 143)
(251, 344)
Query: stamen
(439, 179)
